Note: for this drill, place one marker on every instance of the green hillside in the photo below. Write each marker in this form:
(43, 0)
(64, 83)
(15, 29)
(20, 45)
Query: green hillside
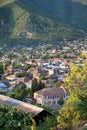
(18, 21)
(81, 1)
(72, 12)
(79, 14)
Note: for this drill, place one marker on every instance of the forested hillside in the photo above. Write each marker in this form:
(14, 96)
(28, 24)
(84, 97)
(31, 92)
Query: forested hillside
(20, 22)
(73, 12)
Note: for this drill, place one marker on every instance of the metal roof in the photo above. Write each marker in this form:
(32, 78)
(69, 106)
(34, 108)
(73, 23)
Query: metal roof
(2, 85)
(20, 105)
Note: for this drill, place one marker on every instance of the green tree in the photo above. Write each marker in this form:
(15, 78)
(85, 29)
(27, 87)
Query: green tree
(81, 105)
(74, 112)
(68, 115)
(22, 59)
(42, 77)
(45, 56)
(26, 67)
(17, 65)
(7, 63)
(33, 87)
(13, 119)
(1, 68)
(20, 74)
(36, 85)
(20, 92)
(50, 123)
(40, 85)
(61, 101)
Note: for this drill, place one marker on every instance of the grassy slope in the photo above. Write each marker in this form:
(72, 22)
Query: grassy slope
(16, 17)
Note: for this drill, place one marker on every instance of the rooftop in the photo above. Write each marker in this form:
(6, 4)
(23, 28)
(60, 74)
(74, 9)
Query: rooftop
(53, 91)
(2, 85)
(20, 105)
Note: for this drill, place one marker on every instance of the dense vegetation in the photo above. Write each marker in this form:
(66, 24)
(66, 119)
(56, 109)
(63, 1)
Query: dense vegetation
(71, 12)
(19, 23)
(74, 113)
(13, 119)
(20, 92)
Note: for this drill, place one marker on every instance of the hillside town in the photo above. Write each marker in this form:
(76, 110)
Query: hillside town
(43, 64)
(49, 64)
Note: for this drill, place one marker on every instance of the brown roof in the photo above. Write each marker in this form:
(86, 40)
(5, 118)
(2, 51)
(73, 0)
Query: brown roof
(26, 107)
(53, 91)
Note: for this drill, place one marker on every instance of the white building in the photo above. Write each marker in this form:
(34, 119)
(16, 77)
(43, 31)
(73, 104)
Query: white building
(51, 96)
(51, 71)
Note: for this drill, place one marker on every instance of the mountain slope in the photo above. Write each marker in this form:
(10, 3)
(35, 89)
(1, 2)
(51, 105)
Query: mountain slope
(73, 12)
(18, 21)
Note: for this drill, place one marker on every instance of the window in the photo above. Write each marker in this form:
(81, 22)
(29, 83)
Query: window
(53, 97)
(49, 103)
(45, 97)
(45, 103)
(54, 102)
(57, 96)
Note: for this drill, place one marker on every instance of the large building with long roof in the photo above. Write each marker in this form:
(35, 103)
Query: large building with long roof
(51, 96)
(37, 113)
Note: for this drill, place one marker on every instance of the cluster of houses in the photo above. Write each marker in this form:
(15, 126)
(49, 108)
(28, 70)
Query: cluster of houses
(52, 70)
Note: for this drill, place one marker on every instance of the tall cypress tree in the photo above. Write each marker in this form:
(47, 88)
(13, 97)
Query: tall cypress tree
(33, 87)
(36, 86)
(40, 85)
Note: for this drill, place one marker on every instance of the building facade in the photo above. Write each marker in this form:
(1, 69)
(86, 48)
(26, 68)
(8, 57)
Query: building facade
(51, 96)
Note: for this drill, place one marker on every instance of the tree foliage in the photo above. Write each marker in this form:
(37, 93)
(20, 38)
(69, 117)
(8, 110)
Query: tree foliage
(60, 101)
(36, 85)
(13, 119)
(38, 27)
(74, 112)
(26, 67)
(20, 92)
(20, 74)
(1, 68)
(49, 124)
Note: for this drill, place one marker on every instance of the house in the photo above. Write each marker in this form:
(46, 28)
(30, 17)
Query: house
(26, 80)
(62, 75)
(3, 87)
(63, 66)
(51, 71)
(51, 96)
(10, 77)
